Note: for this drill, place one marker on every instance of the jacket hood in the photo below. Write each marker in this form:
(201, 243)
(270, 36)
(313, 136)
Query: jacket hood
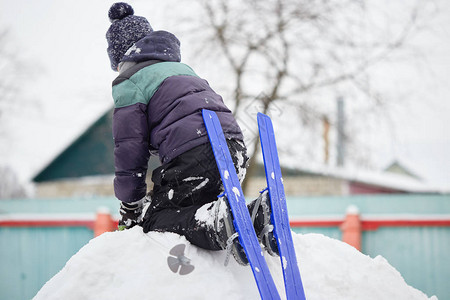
(157, 45)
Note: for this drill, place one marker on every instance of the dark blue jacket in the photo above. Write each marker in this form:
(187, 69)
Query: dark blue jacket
(158, 105)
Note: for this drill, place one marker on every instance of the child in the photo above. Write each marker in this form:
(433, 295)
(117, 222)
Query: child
(158, 110)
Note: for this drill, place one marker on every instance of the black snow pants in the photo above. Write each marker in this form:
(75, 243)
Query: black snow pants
(182, 186)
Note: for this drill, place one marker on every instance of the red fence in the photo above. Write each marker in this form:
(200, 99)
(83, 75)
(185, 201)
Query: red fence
(103, 222)
(351, 226)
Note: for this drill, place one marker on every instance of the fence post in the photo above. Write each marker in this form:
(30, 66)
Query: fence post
(351, 228)
(103, 222)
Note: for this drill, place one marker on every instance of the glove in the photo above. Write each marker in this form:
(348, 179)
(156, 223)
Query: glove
(131, 214)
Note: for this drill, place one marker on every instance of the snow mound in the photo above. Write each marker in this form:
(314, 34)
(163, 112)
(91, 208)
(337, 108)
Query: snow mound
(133, 265)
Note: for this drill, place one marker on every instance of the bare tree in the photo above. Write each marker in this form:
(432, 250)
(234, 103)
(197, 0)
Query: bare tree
(10, 186)
(14, 73)
(11, 67)
(280, 52)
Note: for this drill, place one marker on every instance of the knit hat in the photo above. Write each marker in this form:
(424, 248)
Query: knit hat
(125, 30)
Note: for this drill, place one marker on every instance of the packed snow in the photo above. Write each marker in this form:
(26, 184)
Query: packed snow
(170, 194)
(133, 265)
(236, 193)
(206, 213)
(201, 185)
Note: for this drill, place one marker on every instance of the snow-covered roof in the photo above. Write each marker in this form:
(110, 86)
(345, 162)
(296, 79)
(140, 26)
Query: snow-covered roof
(382, 179)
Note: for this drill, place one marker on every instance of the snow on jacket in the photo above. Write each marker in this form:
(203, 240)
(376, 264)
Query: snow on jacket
(158, 105)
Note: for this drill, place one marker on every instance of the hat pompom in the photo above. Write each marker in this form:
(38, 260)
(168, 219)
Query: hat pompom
(120, 10)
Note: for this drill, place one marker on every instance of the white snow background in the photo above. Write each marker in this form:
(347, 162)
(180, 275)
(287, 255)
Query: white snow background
(63, 43)
(133, 265)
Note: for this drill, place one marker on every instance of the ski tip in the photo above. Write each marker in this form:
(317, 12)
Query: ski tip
(261, 115)
(263, 119)
(207, 113)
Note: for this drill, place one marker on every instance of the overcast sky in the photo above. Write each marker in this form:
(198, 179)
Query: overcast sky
(63, 42)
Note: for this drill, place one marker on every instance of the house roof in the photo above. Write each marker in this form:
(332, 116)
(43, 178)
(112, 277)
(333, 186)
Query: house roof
(89, 154)
(400, 168)
(381, 179)
(92, 154)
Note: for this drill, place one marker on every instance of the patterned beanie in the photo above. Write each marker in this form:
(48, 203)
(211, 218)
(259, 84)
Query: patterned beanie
(125, 30)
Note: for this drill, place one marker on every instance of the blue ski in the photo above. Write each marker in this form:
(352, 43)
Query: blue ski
(282, 231)
(241, 217)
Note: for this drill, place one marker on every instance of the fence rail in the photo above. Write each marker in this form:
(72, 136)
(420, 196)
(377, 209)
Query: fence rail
(352, 223)
(410, 232)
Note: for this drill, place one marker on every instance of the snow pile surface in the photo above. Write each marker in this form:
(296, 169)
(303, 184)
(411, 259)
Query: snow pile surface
(133, 265)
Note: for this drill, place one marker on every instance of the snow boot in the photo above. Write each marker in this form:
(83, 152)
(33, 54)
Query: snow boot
(226, 235)
(261, 211)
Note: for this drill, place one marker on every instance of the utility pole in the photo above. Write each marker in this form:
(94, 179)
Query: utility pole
(340, 132)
